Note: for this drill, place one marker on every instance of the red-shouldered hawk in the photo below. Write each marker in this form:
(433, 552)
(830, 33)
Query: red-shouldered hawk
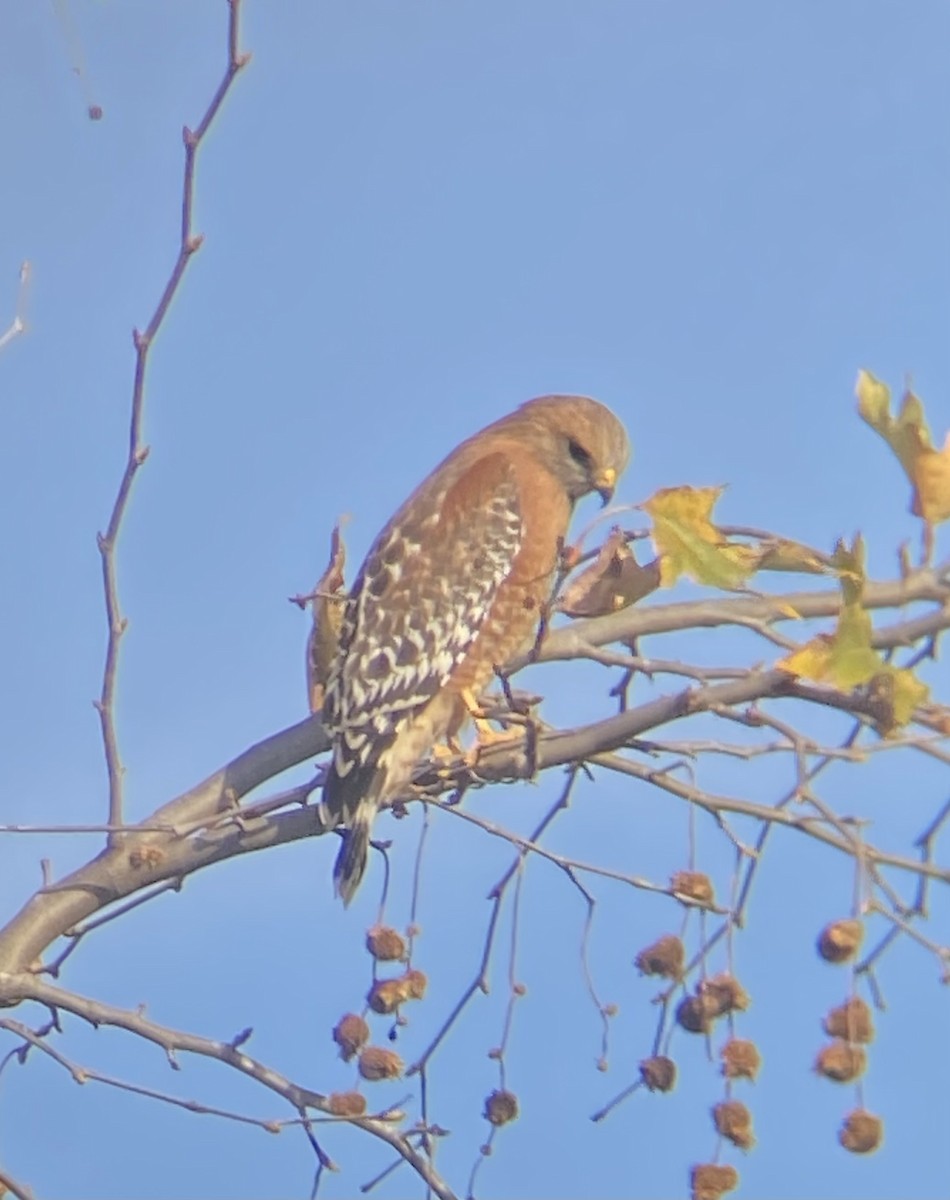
(454, 586)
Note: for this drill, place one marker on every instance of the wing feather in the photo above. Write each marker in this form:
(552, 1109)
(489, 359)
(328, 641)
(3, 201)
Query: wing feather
(421, 596)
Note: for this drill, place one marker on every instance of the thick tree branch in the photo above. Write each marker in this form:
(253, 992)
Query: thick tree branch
(11, 1185)
(630, 624)
(119, 871)
(208, 819)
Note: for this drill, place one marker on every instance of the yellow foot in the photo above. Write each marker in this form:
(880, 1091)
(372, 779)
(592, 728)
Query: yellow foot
(488, 737)
(445, 756)
(447, 751)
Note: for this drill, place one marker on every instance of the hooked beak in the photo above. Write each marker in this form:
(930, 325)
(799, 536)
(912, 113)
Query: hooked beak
(604, 483)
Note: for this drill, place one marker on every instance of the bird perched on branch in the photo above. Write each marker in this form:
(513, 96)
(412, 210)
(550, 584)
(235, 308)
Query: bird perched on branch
(454, 585)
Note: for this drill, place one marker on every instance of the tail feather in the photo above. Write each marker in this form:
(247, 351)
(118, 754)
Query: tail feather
(350, 863)
(355, 787)
(353, 798)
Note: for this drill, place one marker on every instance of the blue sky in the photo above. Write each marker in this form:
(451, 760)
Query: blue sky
(418, 215)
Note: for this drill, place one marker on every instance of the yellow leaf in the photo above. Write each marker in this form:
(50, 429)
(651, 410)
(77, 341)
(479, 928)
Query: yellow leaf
(909, 693)
(932, 496)
(908, 436)
(783, 555)
(849, 561)
(811, 662)
(853, 660)
(689, 543)
(847, 660)
(902, 433)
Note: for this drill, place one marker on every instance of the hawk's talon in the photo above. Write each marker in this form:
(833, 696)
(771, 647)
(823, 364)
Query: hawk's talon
(444, 753)
(488, 738)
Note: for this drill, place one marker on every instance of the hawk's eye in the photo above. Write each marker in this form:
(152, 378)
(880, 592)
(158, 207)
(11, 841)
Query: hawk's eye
(581, 456)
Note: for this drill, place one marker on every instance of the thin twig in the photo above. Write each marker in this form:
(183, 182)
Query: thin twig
(82, 1074)
(480, 982)
(76, 935)
(15, 988)
(773, 814)
(18, 325)
(189, 244)
(530, 846)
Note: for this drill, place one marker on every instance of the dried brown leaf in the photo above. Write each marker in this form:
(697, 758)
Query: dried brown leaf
(326, 606)
(614, 580)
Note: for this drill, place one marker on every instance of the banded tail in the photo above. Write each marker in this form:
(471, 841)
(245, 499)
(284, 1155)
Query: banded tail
(354, 798)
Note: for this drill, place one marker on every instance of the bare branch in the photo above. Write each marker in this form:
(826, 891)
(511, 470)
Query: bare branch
(83, 1074)
(18, 325)
(52, 829)
(7, 1183)
(632, 623)
(76, 935)
(138, 451)
(117, 872)
(773, 814)
(16, 988)
(11, 1185)
(225, 815)
(148, 858)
